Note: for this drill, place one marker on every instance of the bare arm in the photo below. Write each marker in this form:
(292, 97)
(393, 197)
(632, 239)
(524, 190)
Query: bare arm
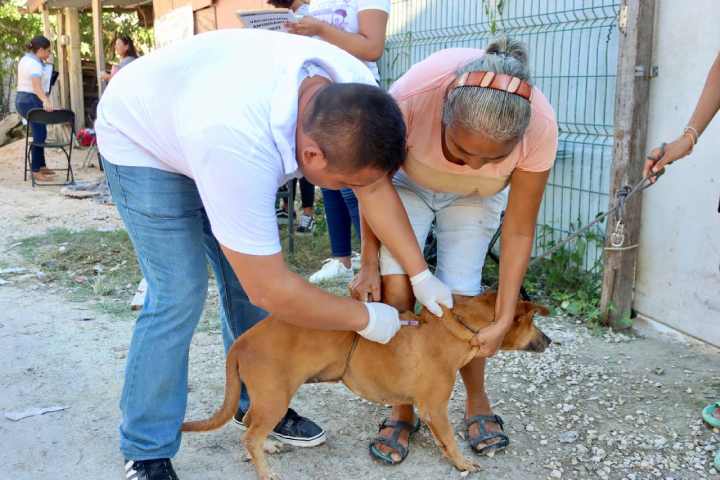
(273, 287)
(518, 232)
(367, 283)
(37, 88)
(368, 44)
(706, 108)
(709, 102)
(384, 213)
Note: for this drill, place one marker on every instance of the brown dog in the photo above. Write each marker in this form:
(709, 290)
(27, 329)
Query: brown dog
(418, 366)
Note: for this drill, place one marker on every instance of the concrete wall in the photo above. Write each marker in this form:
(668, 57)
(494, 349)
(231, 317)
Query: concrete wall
(678, 281)
(211, 14)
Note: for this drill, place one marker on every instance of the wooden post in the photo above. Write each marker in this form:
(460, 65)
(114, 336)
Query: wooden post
(75, 66)
(634, 69)
(56, 131)
(98, 41)
(47, 31)
(63, 78)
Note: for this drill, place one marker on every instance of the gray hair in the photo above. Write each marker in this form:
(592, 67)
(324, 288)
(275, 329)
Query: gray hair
(501, 115)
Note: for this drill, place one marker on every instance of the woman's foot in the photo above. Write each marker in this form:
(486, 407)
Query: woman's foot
(483, 424)
(46, 171)
(401, 425)
(39, 176)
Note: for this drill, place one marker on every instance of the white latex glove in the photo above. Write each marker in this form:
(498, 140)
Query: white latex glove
(383, 322)
(431, 292)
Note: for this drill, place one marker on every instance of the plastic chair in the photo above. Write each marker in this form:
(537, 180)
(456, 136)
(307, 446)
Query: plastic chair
(56, 117)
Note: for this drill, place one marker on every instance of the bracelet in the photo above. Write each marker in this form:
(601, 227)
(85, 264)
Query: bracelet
(692, 140)
(694, 135)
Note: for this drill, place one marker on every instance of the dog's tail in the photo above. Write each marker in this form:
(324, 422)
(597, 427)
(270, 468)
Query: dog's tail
(230, 403)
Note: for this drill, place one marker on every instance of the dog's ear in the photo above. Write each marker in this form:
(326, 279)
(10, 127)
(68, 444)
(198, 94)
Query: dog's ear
(540, 309)
(524, 308)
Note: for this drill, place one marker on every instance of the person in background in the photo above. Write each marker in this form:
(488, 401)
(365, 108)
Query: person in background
(126, 53)
(476, 126)
(358, 27)
(30, 95)
(705, 110)
(299, 7)
(306, 223)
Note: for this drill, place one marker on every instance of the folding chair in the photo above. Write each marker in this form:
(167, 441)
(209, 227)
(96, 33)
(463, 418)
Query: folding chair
(289, 193)
(430, 251)
(56, 117)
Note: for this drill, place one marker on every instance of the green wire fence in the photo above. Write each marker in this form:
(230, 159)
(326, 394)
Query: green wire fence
(573, 55)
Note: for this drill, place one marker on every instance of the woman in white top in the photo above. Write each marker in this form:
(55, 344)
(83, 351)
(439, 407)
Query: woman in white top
(359, 28)
(31, 94)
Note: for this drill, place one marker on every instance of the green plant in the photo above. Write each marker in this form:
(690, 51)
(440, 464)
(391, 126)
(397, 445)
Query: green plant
(16, 30)
(88, 264)
(494, 11)
(564, 280)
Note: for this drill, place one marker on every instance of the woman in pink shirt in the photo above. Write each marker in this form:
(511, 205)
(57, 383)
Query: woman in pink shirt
(472, 136)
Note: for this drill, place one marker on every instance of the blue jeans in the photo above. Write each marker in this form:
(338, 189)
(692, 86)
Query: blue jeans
(171, 234)
(341, 212)
(24, 102)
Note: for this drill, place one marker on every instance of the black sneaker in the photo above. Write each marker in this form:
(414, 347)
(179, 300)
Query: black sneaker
(160, 469)
(292, 430)
(306, 225)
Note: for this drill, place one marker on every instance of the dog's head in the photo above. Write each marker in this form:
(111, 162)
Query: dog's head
(471, 314)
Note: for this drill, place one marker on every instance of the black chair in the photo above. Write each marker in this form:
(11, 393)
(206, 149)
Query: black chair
(288, 192)
(56, 117)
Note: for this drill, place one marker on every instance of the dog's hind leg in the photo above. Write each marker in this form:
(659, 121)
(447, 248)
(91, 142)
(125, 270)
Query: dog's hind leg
(436, 418)
(267, 408)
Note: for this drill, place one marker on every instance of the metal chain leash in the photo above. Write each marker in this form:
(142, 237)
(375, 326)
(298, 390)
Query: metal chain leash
(617, 237)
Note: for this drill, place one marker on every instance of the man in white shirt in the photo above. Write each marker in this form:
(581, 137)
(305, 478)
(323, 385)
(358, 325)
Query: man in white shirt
(196, 139)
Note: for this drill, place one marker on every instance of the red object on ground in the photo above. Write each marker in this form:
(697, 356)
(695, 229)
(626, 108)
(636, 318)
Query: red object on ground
(86, 137)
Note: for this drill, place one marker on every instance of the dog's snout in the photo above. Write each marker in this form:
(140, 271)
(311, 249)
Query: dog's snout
(539, 343)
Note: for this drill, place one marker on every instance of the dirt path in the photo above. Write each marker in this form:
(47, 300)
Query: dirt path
(608, 406)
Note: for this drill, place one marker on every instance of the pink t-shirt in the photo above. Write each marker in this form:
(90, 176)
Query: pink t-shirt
(421, 95)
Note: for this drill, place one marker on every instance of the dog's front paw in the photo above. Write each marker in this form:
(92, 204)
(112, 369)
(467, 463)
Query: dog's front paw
(467, 465)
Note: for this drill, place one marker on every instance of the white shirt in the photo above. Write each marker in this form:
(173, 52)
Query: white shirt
(29, 66)
(47, 76)
(221, 108)
(343, 14)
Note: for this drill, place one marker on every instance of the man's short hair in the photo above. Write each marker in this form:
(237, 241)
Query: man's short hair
(357, 126)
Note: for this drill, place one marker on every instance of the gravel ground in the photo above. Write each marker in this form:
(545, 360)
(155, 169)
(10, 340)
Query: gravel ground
(593, 406)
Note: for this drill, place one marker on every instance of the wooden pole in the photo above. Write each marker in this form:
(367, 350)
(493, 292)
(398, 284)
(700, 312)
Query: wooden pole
(634, 69)
(47, 31)
(63, 77)
(75, 66)
(98, 41)
(56, 131)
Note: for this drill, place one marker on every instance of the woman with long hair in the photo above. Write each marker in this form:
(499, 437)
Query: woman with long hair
(126, 53)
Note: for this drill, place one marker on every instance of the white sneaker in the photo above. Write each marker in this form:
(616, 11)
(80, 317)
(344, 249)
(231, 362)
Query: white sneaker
(355, 261)
(332, 269)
